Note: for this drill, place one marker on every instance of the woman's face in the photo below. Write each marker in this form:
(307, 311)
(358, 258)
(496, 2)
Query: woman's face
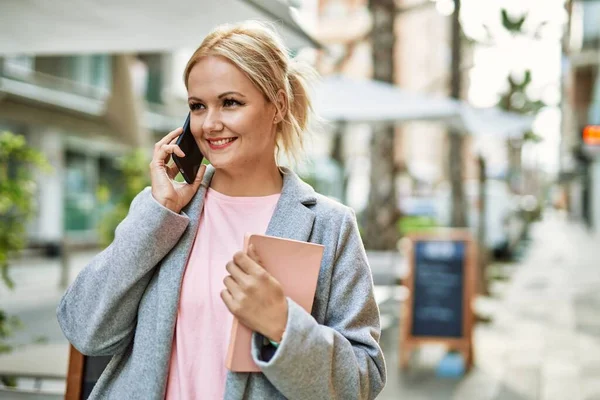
(231, 120)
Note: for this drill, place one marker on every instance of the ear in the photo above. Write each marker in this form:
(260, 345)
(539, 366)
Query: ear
(281, 106)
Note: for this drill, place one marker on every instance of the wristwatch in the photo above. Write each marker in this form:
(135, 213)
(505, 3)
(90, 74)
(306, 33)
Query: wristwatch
(272, 342)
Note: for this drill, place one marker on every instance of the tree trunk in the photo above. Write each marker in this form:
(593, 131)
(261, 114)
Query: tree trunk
(513, 149)
(482, 253)
(380, 224)
(458, 215)
(337, 154)
(515, 168)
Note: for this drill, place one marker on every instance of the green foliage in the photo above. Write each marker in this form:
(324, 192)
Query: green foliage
(135, 175)
(17, 193)
(513, 25)
(415, 224)
(515, 98)
(8, 324)
(532, 137)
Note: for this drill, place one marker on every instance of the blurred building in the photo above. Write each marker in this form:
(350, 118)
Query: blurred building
(422, 64)
(580, 159)
(82, 112)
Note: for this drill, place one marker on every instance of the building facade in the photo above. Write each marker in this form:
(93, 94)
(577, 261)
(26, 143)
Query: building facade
(580, 159)
(82, 112)
(422, 64)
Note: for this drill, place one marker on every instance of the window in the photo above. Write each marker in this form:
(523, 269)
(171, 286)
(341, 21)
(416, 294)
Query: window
(591, 24)
(153, 77)
(18, 66)
(80, 200)
(90, 70)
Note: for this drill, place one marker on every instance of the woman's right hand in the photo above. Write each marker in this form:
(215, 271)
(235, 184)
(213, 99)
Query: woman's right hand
(165, 190)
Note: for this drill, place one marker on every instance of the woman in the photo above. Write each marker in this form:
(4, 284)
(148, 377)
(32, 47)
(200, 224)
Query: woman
(161, 298)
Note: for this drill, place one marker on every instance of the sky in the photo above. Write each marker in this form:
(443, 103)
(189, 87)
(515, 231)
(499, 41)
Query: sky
(510, 54)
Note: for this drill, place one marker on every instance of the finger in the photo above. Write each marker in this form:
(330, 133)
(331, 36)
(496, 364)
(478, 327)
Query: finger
(253, 254)
(237, 274)
(228, 300)
(233, 287)
(246, 264)
(173, 149)
(169, 137)
(172, 142)
(199, 177)
(165, 151)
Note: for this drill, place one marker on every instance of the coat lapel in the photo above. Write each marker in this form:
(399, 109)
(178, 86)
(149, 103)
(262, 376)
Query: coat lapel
(292, 218)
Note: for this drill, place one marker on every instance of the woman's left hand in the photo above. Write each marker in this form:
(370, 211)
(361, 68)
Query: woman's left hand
(254, 296)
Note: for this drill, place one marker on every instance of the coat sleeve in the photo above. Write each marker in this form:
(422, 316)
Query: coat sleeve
(98, 312)
(342, 358)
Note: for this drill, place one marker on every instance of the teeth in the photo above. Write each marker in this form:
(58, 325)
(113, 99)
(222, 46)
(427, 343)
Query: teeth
(221, 142)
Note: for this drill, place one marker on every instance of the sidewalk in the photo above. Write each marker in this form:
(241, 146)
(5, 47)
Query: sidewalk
(37, 280)
(544, 341)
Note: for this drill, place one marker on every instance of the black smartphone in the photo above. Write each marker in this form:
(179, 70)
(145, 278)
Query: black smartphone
(190, 164)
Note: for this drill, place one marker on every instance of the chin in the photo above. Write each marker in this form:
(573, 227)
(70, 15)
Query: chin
(222, 162)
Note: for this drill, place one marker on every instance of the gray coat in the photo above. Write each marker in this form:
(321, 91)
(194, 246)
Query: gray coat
(124, 304)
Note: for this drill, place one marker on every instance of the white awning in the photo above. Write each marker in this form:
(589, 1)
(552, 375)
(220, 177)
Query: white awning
(494, 121)
(131, 26)
(338, 98)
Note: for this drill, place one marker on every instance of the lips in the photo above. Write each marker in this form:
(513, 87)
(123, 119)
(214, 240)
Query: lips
(220, 143)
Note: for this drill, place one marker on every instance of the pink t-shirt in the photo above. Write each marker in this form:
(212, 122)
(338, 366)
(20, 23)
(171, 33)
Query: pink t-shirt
(197, 367)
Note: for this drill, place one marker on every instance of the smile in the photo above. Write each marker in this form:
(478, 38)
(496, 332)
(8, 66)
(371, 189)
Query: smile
(220, 143)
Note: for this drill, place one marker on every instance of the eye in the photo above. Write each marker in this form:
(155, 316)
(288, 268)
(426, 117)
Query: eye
(232, 103)
(196, 106)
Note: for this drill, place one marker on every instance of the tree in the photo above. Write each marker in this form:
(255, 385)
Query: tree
(514, 25)
(455, 138)
(516, 99)
(382, 214)
(17, 206)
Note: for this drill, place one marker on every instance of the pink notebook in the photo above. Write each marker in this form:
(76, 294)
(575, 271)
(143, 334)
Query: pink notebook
(296, 266)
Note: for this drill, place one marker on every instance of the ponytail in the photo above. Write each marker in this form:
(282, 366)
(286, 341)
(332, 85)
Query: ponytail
(295, 123)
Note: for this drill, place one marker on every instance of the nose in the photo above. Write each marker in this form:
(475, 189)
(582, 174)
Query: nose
(212, 122)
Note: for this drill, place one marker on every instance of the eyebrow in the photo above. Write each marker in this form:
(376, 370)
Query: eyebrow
(220, 96)
(231, 92)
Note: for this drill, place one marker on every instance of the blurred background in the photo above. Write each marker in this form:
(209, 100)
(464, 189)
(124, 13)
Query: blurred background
(482, 114)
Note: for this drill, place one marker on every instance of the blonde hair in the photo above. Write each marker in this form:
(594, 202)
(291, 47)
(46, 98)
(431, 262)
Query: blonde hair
(259, 52)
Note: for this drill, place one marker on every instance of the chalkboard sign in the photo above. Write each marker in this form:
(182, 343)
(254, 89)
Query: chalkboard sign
(438, 288)
(84, 372)
(441, 284)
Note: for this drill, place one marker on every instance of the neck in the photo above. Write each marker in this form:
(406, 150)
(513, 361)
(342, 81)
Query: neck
(248, 183)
